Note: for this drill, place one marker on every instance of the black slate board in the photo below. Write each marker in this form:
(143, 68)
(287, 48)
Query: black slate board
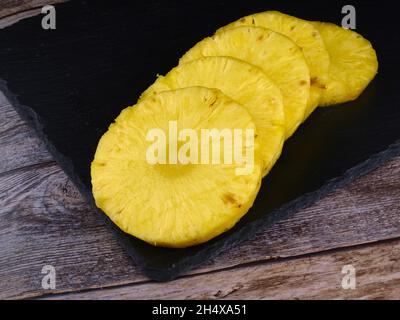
(70, 83)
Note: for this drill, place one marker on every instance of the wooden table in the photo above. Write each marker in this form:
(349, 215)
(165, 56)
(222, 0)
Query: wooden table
(45, 221)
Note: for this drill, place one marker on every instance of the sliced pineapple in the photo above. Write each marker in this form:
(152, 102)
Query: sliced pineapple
(245, 84)
(354, 63)
(306, 36)
(174, 205)
(279, 57)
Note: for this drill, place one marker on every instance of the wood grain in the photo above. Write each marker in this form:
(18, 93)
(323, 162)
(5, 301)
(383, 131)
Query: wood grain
(44, 220)
(20, 146)
(12, 7)
(314, 277)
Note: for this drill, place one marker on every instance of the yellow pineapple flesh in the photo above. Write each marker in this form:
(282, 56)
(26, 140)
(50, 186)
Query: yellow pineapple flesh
(173, 205)
(354, 63)
(306, 36)
(244, 83)
(279, 57)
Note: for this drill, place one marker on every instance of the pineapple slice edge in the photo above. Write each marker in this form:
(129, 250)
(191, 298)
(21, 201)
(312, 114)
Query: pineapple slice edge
(306, 36)
(171, 206)
(354, 63)
(242, 82)
(278, 56)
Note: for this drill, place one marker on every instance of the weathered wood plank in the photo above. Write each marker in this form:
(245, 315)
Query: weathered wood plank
(19, 144)
(315, 277)
(10, 20)
(44, 220)
(11, 7)
(365, 211)
(12, 11)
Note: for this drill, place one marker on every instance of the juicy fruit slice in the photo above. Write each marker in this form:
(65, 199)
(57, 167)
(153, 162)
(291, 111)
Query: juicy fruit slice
(165, 204)
(306, 36)
(353, 63)
(245, 84)
(279, 57)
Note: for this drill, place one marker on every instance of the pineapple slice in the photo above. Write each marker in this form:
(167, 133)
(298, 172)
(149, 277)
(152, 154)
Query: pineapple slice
(353, 63)
(242, 82)
(174, 205)
(306, 36)
(279, 57)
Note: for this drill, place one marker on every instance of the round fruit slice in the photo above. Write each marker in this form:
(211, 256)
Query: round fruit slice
(279, 57)
(242, 82)
(306, 36)
(170, 203)
(353, 63)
